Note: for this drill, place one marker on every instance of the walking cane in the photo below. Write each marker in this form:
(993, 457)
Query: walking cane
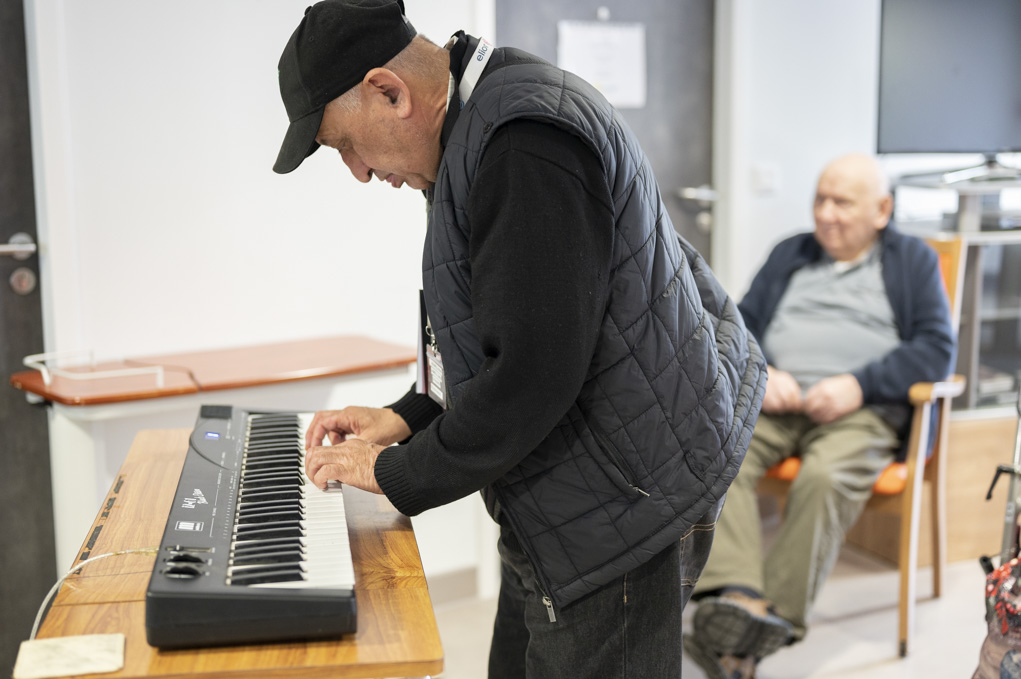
(1009, 548)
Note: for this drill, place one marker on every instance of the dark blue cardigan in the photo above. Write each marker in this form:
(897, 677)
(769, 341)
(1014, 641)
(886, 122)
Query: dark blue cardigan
(915, 288)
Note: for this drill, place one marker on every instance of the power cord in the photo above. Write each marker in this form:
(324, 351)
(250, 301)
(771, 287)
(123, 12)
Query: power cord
(77, 566)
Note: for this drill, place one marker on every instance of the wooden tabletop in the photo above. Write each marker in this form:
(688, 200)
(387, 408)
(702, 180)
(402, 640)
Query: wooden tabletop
(236, 368)
(397, 634)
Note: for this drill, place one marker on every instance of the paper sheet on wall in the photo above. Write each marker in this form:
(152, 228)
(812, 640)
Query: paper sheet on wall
(610, 55)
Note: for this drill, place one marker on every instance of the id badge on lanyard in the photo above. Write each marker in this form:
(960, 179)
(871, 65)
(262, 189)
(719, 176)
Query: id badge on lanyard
(430, 372)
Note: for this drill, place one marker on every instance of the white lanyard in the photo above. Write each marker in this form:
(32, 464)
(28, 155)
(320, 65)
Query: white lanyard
(474, 70)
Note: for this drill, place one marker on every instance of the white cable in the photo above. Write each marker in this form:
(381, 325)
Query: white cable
(77, 566)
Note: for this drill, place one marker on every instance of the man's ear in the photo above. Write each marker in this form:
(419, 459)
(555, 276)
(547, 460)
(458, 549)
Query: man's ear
(885, 211)
(388, 89)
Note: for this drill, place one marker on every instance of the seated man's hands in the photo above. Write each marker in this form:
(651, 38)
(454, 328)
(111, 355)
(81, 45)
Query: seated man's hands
(832, 398)
(783, 393)
(375, 425)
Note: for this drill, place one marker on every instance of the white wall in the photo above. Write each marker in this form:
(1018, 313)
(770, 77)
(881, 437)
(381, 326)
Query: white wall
(795, 87)
(162, 227)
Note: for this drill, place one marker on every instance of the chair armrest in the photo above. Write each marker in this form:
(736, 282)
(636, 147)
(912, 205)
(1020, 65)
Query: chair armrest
(927, 392)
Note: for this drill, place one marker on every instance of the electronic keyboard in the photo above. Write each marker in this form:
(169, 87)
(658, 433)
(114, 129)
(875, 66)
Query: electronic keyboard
(252, 551)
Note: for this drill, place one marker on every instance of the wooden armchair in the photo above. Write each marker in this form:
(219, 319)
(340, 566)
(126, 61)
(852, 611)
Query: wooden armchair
(898, 490)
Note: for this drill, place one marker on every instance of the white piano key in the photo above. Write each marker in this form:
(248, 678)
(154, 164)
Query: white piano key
(327, 552)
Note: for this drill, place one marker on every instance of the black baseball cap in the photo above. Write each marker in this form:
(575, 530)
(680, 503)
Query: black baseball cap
(334, 46)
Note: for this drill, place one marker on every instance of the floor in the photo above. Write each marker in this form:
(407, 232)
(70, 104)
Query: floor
(852, 633)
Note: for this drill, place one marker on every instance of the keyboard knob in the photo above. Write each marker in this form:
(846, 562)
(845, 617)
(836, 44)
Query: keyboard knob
(182, 572)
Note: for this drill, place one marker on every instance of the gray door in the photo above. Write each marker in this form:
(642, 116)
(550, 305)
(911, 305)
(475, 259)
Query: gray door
(675, 125)
(26, 515)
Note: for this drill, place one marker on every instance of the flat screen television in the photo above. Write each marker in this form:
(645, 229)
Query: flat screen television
(950, 77)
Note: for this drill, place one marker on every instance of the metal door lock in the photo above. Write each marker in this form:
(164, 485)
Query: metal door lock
(23, 280)
(20, 246)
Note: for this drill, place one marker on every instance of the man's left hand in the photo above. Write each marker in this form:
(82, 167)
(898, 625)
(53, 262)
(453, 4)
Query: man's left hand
(832, 398)
(352, 462)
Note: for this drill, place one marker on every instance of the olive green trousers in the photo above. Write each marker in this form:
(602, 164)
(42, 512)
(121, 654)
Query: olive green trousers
(840, 463)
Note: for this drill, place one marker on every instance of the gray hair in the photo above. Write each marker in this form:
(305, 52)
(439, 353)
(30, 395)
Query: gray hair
(413, 59)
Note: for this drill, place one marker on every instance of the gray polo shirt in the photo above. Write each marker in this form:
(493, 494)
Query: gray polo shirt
(833, 318)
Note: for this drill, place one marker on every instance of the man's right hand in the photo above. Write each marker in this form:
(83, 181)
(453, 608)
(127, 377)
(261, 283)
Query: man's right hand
(783, 393)
(375, 425)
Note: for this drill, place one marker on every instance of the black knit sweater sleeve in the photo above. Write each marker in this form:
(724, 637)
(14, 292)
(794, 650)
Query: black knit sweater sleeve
(540, 246)
(417, 410)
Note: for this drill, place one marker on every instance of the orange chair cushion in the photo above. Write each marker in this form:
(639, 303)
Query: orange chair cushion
(891, 482)
(786, 470)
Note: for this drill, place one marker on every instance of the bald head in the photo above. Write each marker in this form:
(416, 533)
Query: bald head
(864, 169)
(852, 205)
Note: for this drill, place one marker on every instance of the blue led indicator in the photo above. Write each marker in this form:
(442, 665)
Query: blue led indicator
(212, 435)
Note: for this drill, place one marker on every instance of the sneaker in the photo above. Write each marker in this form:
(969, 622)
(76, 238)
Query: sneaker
(739, 625)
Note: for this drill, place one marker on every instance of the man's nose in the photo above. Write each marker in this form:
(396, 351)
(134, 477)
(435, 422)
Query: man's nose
(360, 170)
(824, 210)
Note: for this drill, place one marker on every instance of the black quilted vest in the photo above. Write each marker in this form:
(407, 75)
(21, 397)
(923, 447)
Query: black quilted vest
(666, 413)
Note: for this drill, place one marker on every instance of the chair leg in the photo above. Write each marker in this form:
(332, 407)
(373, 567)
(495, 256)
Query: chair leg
(909, 529)
(936, 469)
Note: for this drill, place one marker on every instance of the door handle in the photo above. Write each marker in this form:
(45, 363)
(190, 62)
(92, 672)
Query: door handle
(20, 246)
(704, 194)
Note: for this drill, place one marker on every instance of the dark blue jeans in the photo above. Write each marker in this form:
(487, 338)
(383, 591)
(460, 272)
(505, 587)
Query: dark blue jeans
(628, 629)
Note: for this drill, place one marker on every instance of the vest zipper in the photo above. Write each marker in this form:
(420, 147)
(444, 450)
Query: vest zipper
(617, 459)
(549, 608)
(540, 576)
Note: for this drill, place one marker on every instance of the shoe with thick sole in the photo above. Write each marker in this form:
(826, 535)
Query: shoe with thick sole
(717, 667)
(728, 628)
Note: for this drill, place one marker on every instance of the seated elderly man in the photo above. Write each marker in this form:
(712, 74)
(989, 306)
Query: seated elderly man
(849, 317)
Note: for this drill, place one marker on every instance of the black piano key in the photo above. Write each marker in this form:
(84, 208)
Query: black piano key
(280, 437)
(259, 465)
(284, 468)
(267, 505)
(259, 577)
(262, 424)
(282, 433)
(268, 451)
(269, 557)
(266, 517)
(267, 433)
(267, 545)
(268, 465)
(267, 462)
(278, 434)
(258, 460)
(291, 443)
(276, 481)
(280, 487)
(267, 482)
(265, 417)
(281, 470)
(280, 483)
(274, 423)
(276, 441)
(262, 531)
(286, 472)
(279, 523)
(288, 443)
(262, 494)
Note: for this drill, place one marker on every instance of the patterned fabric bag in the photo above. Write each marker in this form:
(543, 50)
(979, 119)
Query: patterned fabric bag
(1000, 656)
